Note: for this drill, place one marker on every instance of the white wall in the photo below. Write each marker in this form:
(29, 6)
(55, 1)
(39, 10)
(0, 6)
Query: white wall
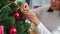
(39, 3)
(21, 0)
(46, 2)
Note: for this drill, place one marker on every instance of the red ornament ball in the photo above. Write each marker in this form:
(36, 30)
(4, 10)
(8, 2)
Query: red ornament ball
(1, 29)
(12, 30)
(16, 15)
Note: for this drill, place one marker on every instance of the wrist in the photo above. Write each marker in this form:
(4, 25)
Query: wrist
(36, 22)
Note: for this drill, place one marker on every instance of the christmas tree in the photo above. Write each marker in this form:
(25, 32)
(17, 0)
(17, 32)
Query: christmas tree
(12, 20)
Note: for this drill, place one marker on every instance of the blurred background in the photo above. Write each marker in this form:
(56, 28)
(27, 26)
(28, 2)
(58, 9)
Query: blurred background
(36, 3)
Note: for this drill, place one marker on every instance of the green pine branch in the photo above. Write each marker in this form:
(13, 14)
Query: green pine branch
(7, 8)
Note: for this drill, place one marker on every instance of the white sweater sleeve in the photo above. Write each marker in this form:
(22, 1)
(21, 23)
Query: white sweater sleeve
(41, 29)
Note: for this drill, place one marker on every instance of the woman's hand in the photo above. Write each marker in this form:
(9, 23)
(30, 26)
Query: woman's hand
(29, 14)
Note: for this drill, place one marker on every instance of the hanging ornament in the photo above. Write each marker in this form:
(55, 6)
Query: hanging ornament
(1, 29)
(12, 0)
(12, 30)
(16, 15)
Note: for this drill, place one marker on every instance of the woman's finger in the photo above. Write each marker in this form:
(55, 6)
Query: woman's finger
(31, 18)
(29, 13)
(24, 7)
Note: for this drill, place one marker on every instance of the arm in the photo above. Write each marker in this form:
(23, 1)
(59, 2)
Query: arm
(41, 29)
